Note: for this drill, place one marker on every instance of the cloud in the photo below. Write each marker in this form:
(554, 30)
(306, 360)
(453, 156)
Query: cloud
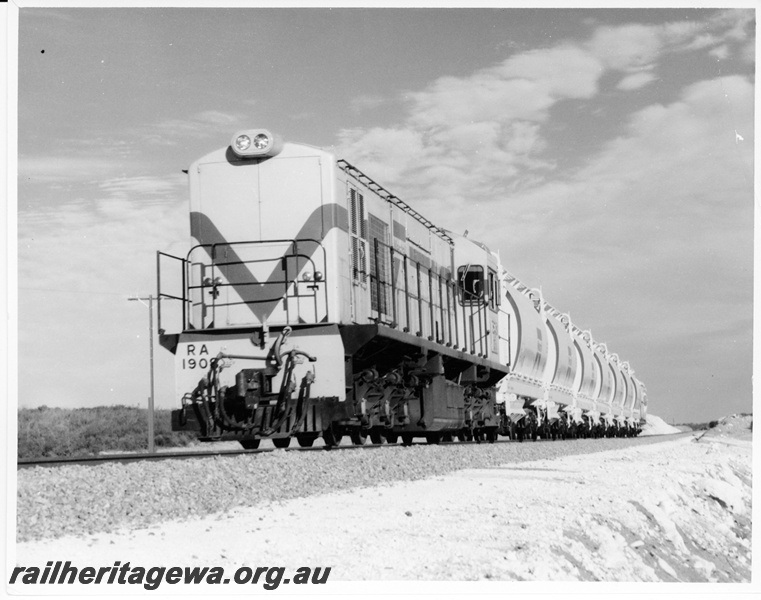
(46, 168)
(636, 46)
(365, 102)
(203, 124)
(636, 81)
(649, 238)
(76, 267)
(737, 25)
(748, 53)
(522, 87)
(383, 153)
(143, 186)
(478, 134)
(661, 212)
(721, 52)
(626, 47)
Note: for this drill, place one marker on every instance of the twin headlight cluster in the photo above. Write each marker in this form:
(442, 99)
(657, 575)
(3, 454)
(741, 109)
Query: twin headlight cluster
(256, 143)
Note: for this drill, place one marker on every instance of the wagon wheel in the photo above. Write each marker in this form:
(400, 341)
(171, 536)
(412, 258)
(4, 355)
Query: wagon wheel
(358, 437)
(376, 437)
(306, 440)
(433, 438)
(491, 435)
(447, 437)
(462, 435)
(250, 444)
(331, 436)
(391, 438)
(407, 439)
(281, 442)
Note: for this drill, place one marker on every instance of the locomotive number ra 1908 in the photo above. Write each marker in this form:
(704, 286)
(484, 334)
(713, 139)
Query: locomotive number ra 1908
(196, 358)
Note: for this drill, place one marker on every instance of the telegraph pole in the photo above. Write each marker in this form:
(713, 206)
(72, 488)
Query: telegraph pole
(151, 435)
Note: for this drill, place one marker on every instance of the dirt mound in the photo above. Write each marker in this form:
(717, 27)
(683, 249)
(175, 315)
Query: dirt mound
(739, 426)
(657, 426)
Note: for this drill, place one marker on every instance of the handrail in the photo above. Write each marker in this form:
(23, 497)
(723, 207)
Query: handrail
(216, 262)
(436, 315)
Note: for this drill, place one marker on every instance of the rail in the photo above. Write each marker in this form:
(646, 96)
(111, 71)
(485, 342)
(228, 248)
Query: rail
(28, 463)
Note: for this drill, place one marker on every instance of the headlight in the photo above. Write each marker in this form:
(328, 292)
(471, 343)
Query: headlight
(318, 276)
(242, 142)
(256, 143)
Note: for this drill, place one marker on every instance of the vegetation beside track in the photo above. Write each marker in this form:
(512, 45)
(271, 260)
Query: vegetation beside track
(61, 432)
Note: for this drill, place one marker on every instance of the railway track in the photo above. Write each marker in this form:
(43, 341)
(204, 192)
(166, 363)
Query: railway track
(186, 455)
(178, 455)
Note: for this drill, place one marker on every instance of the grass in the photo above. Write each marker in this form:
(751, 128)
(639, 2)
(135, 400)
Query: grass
(60, 432)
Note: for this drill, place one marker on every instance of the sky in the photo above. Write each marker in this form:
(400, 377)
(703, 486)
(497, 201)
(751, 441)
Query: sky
(607, 154)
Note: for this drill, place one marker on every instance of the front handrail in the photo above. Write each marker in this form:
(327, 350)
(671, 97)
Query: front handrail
(159, 294)
(191, 286)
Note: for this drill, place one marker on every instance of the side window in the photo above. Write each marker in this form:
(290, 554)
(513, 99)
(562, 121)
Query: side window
(494, 300)
(379, 264)
(471, 281)
(358, 234)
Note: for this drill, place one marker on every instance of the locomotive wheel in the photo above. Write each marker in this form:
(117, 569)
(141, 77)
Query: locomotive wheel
(491, 436)
(376, 437)
(433, 438)
(358, 437)
(306, 440)
(407, 439)
(281, 442)
(250, 444)
(391, 438)
(331, 437)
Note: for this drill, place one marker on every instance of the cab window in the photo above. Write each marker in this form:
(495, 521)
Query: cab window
(494, 300)
(471, 282)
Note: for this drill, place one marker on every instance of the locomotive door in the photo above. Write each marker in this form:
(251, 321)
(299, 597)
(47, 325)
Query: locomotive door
(358, 239)
(226, 211)
(380, 268)
(494, 302)
(246, 270)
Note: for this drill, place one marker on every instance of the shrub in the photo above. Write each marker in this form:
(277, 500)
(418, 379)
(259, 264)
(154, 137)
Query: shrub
(61, 432)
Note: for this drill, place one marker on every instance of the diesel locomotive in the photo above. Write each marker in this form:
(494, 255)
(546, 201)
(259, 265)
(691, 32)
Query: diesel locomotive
(313, 302)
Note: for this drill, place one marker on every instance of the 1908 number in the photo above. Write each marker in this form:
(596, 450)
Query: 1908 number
(192, 363)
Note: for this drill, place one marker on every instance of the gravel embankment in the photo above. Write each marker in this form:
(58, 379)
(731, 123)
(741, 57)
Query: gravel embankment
(87, 499)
